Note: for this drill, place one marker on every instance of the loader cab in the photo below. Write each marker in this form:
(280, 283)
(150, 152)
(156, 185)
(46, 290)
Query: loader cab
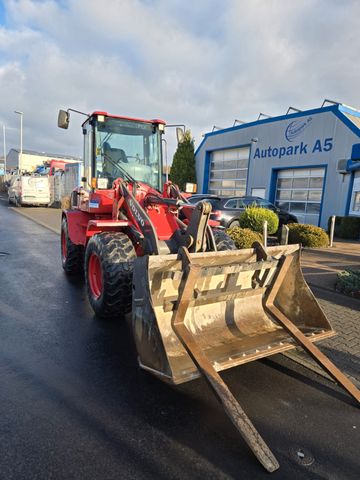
(122, 147)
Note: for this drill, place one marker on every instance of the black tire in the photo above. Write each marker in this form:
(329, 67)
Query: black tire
(235, 223)
(109, 262)
(72, 255)
(223, 241)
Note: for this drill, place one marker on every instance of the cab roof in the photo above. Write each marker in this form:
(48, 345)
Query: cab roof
(106, 114)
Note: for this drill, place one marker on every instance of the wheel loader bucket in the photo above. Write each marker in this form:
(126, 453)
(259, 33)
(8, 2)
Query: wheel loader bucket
(226, 313)
(197, 314)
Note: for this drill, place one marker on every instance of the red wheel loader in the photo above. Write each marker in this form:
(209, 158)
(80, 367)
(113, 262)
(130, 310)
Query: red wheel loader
(198, 305)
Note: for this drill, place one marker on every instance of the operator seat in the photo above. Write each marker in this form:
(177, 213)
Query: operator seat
(115, 154)
(112, 157)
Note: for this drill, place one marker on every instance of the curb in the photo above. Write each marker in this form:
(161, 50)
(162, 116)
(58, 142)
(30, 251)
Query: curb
(336, 293)
(39, 222)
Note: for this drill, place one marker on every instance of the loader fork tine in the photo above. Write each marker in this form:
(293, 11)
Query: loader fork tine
(229, 402)
(299, 337)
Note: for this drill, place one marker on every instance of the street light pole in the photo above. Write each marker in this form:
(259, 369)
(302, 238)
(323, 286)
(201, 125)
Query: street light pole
(21, 139)
(4, 151)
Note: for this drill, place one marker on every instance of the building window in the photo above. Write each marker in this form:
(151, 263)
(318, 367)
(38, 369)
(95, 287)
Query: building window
(299, 191)
(228, 171)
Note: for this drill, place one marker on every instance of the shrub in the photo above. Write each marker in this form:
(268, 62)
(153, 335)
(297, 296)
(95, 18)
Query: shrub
(346, 227)
(308, 235)
(253, 217)
(350, 228)
(243, 237)
(348, 282)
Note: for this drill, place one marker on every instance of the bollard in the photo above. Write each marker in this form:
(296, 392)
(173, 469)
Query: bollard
(284, 237)
(265, 232)
(332, 229)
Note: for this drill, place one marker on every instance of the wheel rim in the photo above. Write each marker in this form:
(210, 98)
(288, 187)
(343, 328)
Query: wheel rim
(95, 276)
(63, 246)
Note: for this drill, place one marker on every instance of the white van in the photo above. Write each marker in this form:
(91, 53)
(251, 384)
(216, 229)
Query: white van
(28, 190)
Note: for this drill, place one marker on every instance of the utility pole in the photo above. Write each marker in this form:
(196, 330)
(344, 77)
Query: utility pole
(21, 138)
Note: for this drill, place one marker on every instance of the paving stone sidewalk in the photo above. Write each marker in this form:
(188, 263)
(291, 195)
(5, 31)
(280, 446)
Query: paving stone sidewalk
(343, 349)
(320, 268)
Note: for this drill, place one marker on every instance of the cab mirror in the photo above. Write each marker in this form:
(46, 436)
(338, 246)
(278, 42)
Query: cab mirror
(63, 119)
(180, 135)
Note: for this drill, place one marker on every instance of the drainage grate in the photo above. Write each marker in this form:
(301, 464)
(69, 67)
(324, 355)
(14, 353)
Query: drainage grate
(302, 456)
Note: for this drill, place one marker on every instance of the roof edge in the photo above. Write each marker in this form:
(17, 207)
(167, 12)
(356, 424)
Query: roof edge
(339, 110)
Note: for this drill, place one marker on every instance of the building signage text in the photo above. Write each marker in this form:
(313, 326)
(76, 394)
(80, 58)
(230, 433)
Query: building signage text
(300, 149)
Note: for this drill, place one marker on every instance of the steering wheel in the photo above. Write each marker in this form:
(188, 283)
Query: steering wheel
(118, 167)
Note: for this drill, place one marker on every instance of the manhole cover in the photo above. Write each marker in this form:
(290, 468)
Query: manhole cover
(302, 456)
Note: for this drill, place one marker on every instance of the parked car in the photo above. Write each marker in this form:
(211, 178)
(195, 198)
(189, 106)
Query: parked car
(29, 190)
(227, 210)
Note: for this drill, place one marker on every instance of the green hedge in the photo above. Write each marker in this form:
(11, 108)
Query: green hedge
(253, 217)
(308, 235)
(348, 282)
(244, 237)
(346, 227)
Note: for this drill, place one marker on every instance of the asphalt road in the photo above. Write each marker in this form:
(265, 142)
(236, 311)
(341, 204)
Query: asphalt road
(75, 405)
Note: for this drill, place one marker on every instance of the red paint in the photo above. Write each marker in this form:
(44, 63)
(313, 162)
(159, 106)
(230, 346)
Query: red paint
(56, 165)
(77, 225)
(106, 114)
(164, 221)
(107, 210)
(95, 276)
(104, 225)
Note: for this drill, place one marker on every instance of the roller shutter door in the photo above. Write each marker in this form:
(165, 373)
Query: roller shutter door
(299, 191)
(355, 197)
(228, 171)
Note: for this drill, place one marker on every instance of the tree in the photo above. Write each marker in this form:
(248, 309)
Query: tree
(183, 165)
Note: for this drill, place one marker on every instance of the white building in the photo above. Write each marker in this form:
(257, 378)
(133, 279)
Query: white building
(31, 159)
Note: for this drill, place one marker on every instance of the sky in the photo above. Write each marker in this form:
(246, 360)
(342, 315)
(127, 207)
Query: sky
(200, 63)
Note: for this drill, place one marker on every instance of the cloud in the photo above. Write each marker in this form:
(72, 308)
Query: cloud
(199, 63)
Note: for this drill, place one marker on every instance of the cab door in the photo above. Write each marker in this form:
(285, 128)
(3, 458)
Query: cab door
(88, 152)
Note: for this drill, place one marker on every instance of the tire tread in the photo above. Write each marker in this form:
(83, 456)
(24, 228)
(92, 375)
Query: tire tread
(116, 253)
